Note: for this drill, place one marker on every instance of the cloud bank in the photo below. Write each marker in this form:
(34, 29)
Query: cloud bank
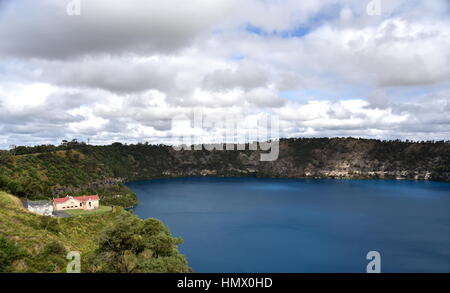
(122, 70)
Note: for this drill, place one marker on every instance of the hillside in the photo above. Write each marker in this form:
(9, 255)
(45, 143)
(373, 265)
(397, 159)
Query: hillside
(59, 173)
(33, 243)
(120, 242)
(76, 168)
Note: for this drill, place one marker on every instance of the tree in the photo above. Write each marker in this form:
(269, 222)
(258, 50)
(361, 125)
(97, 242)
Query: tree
(134, 245)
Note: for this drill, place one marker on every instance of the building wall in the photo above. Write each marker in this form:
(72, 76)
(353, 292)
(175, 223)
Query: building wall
(94, 204)
(71, 204)
(42, 210)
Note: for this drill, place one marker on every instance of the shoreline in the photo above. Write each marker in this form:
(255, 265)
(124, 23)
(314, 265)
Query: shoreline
(288, 178)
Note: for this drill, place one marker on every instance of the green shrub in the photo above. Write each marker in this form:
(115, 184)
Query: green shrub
(54, 247)
(134, 245)
(9, 252)
(49, 224)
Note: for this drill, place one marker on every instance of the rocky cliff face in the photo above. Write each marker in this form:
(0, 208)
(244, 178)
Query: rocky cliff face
(61, 170)
(326, 158)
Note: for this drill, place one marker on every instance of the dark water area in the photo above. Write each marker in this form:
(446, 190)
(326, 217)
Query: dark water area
(302, 225)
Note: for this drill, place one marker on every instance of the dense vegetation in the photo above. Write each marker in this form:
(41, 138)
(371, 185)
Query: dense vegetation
(77, 168)
(110, 242)
(60, 173)
(133, 245)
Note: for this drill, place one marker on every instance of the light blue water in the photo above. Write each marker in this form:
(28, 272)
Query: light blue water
(290, 225)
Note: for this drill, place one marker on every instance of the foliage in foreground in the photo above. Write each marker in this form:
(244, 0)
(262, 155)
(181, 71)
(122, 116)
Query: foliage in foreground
(33, 243)
(9, 253)
(137, 246)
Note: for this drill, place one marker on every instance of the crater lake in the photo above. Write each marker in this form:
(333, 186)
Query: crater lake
(302, 225)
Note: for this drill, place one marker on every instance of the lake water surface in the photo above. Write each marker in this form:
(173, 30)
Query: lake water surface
(302, 225)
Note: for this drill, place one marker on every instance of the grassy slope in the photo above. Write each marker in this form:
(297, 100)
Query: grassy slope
(100, 210)
(24, 228)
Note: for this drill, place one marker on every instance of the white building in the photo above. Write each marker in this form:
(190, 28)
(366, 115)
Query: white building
(85, 202)
(41, 207)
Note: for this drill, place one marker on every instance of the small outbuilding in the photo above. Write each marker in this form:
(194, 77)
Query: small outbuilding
(41, 207)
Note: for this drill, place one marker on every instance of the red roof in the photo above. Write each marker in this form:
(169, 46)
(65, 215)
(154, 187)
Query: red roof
(83, 198)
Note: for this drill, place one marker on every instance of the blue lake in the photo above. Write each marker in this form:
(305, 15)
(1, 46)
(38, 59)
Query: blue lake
(301, 225)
